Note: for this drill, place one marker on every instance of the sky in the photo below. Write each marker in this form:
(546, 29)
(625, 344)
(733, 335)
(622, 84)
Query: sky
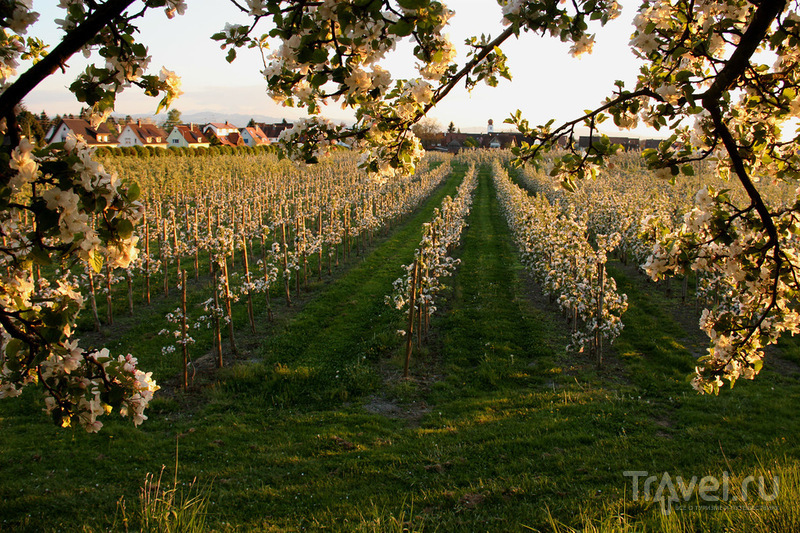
(547, 82)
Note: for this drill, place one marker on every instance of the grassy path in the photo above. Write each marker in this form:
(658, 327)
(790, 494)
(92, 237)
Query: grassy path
(493, 334)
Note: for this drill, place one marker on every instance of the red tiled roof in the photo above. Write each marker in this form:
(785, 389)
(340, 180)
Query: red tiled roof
(148, 133)
(235, 139)
(191, 134)
(258, 136)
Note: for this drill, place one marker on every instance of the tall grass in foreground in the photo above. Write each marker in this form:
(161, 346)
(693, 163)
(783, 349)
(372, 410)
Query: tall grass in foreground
(381, 520)
(165, 508)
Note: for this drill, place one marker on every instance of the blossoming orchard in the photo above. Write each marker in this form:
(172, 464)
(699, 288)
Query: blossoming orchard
(721, 78)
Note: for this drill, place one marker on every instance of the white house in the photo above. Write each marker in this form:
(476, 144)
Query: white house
(139, 134)
(227, 134)
(100, 136)
(221, 130)
(254, 136)
(187, 135)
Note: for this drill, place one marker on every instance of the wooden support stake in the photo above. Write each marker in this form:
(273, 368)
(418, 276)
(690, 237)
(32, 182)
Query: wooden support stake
(410, 330)
(129, 279)
(286, 273)
(146, 257)
(266, 276)
(184, 347)
(93, 300)
(319, 240)
(217, 328)
(109, 299)
(601, 270)
(248, 280)
(228, 308)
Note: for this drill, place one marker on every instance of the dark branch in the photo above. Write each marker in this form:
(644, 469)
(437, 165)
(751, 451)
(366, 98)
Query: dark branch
(570, 126)
(736, 66)
(442, 91)
(765, 15)
(72, 42)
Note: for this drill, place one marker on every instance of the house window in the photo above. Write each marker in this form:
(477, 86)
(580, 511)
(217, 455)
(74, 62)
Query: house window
(175, 141)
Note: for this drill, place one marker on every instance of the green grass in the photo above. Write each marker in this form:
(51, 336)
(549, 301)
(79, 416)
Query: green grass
(499, 428)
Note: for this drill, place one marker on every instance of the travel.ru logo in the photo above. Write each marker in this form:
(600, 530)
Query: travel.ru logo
(707, 493)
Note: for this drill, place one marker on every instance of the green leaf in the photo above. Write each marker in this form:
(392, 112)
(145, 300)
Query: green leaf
(13, 347)
(134, 192)
(319, 79)
(50, 335)
(124, 228)
(40, 257)
(401, 28)
(163, 104)
(320, 55)
(114, 397)
(413, 4)
(96, 261)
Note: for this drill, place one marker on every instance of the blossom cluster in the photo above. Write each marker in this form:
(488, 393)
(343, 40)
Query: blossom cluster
(558, 22)
(330, 52)
(179, 334)
(61, 205)
(13, 46)
(753, 289)
(756, 107)
(96, 384)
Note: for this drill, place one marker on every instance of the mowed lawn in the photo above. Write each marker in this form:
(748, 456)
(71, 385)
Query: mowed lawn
(499, 429)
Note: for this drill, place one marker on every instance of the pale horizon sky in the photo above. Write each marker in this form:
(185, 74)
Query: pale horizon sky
(547, 83)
